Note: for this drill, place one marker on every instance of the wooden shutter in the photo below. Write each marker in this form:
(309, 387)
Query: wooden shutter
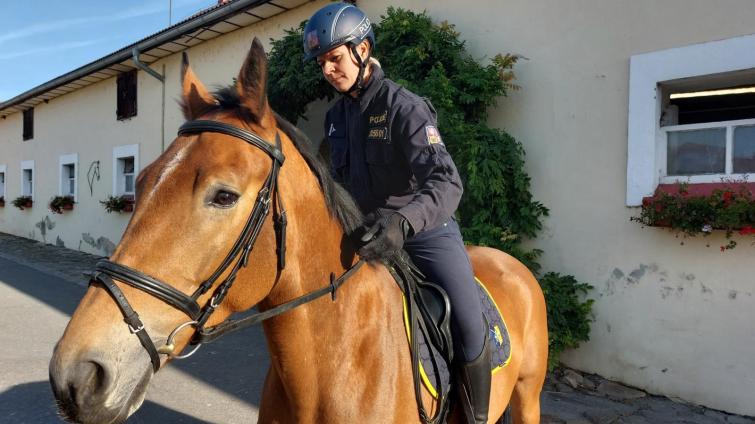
(126, 107)
(28, 132)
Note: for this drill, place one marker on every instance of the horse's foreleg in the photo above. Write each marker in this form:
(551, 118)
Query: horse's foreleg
(274, 408)
(525, 402)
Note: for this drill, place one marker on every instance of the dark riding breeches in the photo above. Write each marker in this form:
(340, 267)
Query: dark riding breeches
(440, 254)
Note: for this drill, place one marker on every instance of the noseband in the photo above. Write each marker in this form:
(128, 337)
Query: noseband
(106, 271)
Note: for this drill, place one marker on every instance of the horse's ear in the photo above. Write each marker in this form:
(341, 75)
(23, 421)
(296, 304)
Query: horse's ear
(252, 81)
(196, 99)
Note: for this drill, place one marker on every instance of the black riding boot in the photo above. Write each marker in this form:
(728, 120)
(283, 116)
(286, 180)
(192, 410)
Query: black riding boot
(474, 391)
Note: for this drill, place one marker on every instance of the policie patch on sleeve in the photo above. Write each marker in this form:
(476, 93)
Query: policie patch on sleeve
(433, 135)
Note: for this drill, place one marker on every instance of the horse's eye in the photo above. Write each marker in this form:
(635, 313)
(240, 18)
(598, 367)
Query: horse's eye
(225, 198)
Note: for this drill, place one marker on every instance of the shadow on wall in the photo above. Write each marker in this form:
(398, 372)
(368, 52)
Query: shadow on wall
(102, 244)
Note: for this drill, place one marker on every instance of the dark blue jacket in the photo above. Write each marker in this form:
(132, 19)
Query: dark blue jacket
(386, 150)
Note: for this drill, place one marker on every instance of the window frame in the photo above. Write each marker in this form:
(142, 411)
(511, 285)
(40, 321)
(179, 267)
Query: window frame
(121, 152)
(65, 160)
(28, 165)
(646, 140)
(704, 178)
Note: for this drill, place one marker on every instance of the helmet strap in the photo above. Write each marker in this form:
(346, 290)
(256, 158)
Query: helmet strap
(359, 83)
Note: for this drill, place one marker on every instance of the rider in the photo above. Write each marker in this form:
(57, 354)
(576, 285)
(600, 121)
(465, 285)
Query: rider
(385, 148)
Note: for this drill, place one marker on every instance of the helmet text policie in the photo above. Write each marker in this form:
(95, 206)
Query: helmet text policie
(335, 25)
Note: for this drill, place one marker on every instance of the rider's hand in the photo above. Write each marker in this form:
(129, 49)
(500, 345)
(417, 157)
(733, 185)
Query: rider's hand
(384, 237)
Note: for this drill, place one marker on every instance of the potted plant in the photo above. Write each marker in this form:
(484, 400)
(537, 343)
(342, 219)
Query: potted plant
(2, 201)
(123, 203)
(58, 204)
(22, 202)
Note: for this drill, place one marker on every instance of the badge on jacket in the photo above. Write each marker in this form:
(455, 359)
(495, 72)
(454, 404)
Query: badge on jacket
(433, 135)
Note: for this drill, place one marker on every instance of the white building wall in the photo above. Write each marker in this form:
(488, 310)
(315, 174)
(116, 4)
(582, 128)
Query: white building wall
(84, 122)
(672, 316)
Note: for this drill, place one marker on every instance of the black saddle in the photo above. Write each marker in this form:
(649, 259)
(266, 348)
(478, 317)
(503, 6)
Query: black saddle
(429, 315)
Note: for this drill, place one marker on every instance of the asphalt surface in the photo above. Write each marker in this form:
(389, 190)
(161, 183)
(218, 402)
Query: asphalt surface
(220, 384)
(40, 286)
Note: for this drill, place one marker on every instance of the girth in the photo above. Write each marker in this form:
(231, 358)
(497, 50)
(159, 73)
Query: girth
(106, 271)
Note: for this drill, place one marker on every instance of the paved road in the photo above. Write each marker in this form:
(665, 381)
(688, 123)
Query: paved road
(220, 384)
(40, 286)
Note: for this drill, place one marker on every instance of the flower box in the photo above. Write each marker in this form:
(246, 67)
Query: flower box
(58, 204)
(124, 203)
(693, 209)
(23, 202)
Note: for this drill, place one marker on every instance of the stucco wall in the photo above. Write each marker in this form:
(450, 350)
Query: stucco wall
(671, 316)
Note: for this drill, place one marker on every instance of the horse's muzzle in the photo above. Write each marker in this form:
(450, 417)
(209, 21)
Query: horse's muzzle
(82, 391)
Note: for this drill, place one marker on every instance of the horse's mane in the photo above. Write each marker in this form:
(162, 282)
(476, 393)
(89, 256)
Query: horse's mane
(339, 202)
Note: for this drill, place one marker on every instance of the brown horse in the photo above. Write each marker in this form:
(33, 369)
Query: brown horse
(350, 362)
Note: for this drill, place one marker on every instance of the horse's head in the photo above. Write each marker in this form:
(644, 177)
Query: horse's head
(192, 203)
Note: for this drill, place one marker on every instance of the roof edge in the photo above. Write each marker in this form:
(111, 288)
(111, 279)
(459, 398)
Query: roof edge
(168, 34)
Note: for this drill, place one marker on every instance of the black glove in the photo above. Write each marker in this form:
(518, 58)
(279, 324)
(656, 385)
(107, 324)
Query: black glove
(385, 237)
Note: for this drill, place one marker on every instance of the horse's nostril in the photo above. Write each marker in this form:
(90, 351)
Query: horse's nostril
(91, 377)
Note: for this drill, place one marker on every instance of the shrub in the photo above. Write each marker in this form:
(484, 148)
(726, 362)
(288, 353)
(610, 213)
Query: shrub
(569, 316)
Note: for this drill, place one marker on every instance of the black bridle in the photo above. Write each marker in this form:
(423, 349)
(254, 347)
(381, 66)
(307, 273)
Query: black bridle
(107, 271)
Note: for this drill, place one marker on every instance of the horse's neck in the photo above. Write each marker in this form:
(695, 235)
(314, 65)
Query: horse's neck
(345, 349)
(329, 354)
(337, 349)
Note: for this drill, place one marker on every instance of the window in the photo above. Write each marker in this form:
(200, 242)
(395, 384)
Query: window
(126, 87)
(691, 119)
(127, 165)
(2, 181)
(68, 169)
(125, 169)
(28, 133)
(709, 134)
(27, 178)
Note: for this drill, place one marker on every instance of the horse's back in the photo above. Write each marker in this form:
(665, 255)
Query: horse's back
(507, 279)
(521, 301)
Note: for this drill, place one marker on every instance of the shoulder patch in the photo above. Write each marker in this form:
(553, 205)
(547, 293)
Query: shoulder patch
(433, 135)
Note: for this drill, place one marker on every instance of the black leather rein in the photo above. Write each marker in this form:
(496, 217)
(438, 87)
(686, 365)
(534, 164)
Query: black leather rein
(106, 271)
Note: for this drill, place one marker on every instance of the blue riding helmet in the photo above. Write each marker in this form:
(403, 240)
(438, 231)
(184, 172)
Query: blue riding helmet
(334, 25)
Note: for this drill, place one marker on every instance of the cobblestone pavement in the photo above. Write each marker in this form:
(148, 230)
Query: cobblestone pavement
(58, 261)
(568, 397)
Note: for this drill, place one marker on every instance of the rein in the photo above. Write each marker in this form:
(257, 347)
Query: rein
(107, 271)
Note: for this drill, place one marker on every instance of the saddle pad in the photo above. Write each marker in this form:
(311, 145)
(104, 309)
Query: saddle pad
(500, 344)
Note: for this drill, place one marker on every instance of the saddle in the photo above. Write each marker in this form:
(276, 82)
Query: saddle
(428, 317)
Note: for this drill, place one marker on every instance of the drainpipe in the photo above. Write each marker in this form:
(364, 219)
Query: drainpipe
(161, 78)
